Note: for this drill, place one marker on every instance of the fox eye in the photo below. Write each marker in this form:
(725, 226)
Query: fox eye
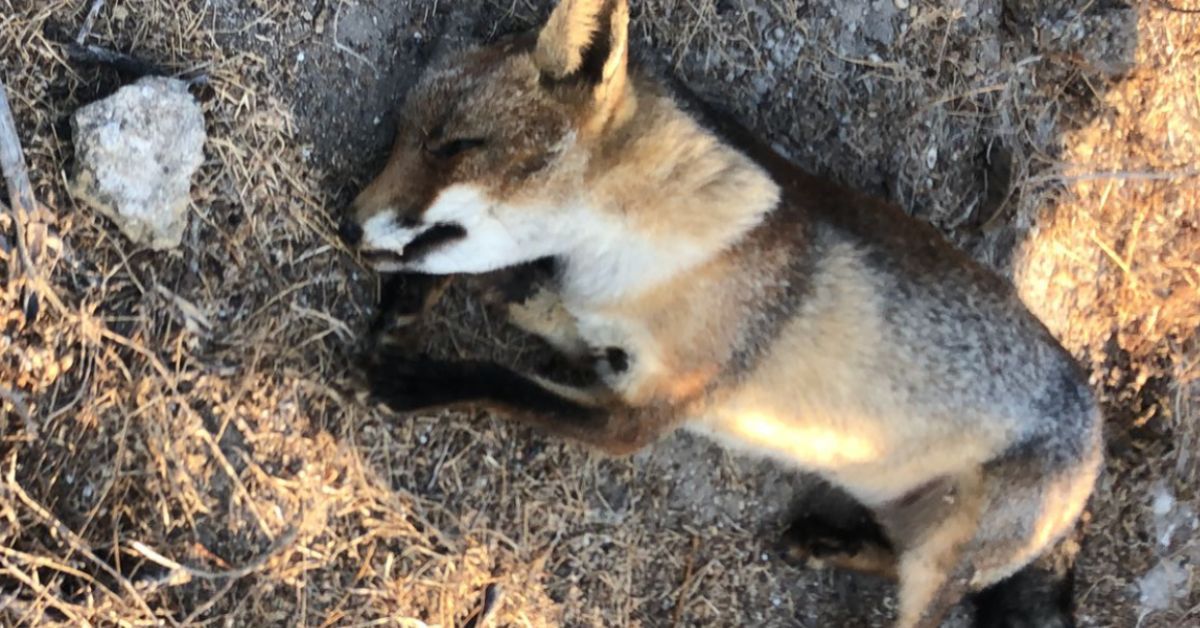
(454, 148)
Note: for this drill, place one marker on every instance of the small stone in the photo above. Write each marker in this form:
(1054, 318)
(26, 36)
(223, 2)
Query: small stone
(136, 152)
(901, 4)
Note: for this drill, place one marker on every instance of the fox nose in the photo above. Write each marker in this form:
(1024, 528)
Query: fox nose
(350, 231)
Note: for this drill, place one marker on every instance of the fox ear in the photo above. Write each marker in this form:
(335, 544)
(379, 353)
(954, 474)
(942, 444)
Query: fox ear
(588, 40)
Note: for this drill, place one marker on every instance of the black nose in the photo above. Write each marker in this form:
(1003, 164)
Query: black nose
(351, 233)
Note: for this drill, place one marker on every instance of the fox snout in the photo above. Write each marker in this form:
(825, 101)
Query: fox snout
(392, 243)
(457, 229)
(378, 230)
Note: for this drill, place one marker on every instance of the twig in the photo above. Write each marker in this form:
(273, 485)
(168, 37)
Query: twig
(199, 611)
(16, 177)
(119, 61)
(23, 207)
(43, 593)
(1174, 9)
(43, 562)
(128, 64)
(688, 574)
(1116, 259)
(77, 544)
(970, 93)
(1118, 175)
(89, 22)
(347, 49)
(201, 574)
(487, 607)
(239, 486)
(17, 401)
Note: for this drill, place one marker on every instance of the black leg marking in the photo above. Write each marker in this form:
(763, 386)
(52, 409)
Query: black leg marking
(407, 384)
(821, 538)
(841, 536)
(1031, 598)
(617, 359)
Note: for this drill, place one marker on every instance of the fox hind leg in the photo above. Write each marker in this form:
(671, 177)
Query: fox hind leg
(1038, 596)
(930, 529)
(1023, 568)
(963, 535)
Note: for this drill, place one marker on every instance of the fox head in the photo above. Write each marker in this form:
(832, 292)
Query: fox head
(493, 144)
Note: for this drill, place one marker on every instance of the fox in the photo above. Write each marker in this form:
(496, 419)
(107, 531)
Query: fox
(713, 286)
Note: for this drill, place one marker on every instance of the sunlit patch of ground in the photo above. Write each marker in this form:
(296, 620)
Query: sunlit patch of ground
(1114, 270)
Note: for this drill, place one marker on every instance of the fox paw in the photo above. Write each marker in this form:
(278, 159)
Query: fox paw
(812, 542)
(403, 383)
(817, 544)
(407, 384)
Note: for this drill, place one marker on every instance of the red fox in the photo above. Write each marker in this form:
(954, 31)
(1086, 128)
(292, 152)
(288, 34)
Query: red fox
(719, 289)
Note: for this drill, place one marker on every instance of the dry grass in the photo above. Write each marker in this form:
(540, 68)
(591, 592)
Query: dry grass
(1114, 269)
(188, 457)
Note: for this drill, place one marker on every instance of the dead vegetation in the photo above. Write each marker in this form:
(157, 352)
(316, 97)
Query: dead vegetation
(176, 446)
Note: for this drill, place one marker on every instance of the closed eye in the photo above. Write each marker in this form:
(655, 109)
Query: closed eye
(454, 148)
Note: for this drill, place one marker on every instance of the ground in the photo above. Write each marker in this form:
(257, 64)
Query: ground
(185, 452)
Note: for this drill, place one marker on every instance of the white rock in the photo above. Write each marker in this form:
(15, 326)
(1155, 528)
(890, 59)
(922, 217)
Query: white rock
(135, 154)
(931, 157)
(1161, 587)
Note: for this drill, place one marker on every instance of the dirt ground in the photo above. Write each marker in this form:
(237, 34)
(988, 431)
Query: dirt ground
(174, 446)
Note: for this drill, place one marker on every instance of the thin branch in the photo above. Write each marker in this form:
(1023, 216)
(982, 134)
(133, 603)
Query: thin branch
(121, 62)
(89, 22)
(17, 401)
(347, 49)
(1176, 9)
(188, 573)
(1117, 175)
(16, 176)
(73, 540)
(199, 611)
(487, 607)
(43, 593)
(128, 64)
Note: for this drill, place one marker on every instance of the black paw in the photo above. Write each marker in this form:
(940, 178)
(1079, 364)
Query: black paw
(1031, 598)
(407, 384)
(811, 539)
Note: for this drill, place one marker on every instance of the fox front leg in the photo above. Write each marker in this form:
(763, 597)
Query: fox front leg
(594, 419)
(529, 299)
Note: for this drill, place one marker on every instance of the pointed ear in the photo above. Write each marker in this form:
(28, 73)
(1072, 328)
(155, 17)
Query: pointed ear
(586, 39)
